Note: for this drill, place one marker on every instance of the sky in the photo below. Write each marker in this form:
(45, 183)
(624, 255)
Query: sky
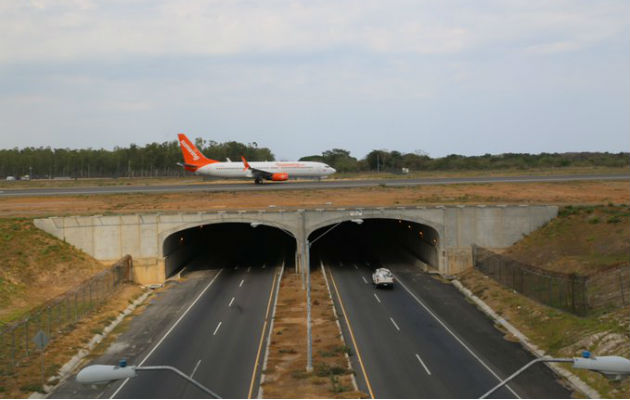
(301, 77)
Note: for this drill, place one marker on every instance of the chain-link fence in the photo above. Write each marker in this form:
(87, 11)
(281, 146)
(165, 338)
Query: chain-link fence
(567, 292)
(571, 292)
(58, 315)
(609, 288)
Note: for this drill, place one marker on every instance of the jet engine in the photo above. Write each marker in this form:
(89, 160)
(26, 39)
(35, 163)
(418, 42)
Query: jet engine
(279, 176)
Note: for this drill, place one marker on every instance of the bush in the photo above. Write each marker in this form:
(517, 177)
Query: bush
(32, 387)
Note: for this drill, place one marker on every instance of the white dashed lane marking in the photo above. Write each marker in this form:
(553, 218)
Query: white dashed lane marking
(395, 324)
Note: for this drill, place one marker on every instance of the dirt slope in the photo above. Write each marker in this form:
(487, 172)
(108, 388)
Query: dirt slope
(36, 267)
(583, 239)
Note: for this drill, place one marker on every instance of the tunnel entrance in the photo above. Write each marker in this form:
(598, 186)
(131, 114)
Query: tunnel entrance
(220, 244)
(376, 242)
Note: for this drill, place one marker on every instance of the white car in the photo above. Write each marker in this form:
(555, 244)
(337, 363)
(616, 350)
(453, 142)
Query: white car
(383, 277)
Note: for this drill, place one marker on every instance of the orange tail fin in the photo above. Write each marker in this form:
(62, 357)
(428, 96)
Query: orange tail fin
(192, 156)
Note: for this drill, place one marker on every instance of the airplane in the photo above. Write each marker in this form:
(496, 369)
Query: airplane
(196, 162)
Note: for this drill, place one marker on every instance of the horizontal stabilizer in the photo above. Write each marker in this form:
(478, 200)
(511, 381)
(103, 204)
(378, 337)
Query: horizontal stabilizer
(187, 165)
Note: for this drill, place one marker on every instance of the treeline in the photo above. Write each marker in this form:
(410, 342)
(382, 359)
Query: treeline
(160, 159)
(154, 159)
(395, 161)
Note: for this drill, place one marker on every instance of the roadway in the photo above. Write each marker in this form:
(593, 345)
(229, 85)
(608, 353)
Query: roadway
(296, 185)
(218, 342)
(217, 338)
(423, 340)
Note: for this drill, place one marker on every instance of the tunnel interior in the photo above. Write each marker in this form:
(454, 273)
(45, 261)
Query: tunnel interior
(377, 242)
(227, 244)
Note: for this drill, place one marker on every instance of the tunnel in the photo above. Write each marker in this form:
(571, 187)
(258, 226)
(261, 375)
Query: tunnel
(226, 244)
(376, 242)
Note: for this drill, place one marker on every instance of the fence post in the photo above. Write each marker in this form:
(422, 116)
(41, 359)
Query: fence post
(76, 307)
(26, 335)
(49, 321)
(623, 298)
(13, 349)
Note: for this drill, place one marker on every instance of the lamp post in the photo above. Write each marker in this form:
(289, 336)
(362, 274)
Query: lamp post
(307, 262)
(102, 374)
(613, 367)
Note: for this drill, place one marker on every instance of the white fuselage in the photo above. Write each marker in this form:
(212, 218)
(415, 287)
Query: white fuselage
(295, 169)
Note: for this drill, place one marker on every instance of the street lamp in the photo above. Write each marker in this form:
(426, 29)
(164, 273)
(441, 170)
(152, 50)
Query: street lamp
(101, 374)
(613, 367)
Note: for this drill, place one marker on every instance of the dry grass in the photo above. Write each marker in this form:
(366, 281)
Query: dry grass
(582, 240)
(27, 377)
(36, 267)
(558, 333)
(564, 193)
(285, 375)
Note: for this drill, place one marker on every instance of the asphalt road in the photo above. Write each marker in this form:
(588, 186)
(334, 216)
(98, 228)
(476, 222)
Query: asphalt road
(295, 185)
(214, 336)
(423, 340)
(217, 342)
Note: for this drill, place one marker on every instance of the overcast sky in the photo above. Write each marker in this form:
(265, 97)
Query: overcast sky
(302, 77)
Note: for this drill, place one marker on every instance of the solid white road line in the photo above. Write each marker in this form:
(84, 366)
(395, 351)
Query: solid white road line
(231, 301)
(249, 269)
(355, 267)
(377, 299)
(195, 369)
(395, 325)
(472, 353)
(364, 280)
(169, 331)
(217, 328)
(423, 365)
(241, 284)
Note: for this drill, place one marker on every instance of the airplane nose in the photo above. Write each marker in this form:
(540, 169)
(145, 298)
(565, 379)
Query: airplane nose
(332, 170)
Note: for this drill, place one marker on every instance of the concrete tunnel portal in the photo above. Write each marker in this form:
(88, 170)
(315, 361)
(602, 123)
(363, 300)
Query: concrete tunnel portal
(441, 236)
(232, 243)
(379, 241)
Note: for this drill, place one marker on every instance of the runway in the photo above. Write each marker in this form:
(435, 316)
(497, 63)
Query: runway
(299, 185)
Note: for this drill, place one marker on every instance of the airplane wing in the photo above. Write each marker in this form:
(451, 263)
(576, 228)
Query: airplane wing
(259, 174)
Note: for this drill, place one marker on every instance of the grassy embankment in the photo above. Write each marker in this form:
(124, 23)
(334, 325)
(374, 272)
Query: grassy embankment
(583, 240)
(36, 268)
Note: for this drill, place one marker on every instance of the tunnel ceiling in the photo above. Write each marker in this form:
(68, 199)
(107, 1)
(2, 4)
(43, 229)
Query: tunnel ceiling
(379, 241)
(223, 243)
